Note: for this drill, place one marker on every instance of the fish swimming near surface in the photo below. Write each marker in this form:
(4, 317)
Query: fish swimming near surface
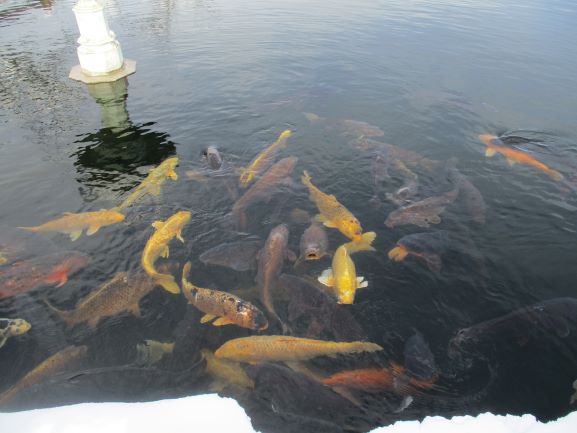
(471, 196)
(380, 173)
(342, 277)
(332, 213)
(275, 348)
(213, 158)
(225, 372)
(347, 127)
(408, 190)
(12, 328)
(422, 213)
(271, 179)
(364, 244)
(152, 183)
(263, 160)
(151, 352)
(120, 294)
(226, 308)
(157, 246)
(240, 256)
(270, 263)
(73, 224)
(314, 243)
(426, 246)
(67, 359)
(52, 269)
(515, 156)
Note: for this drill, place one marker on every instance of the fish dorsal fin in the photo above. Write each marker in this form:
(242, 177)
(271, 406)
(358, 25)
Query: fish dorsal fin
(157, 224)
(490, 152)
(361, 283)
(327, 278)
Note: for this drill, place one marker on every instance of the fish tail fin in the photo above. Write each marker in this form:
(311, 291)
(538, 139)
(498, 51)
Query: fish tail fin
(185, 273)
(167, 282)
(365, 244)
(555, 175)
(66, 316)
(363, 346)
(312, 117)
(31, 229)
(306, 178)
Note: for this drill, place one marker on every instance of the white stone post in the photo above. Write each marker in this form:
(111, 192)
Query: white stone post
(99, 52)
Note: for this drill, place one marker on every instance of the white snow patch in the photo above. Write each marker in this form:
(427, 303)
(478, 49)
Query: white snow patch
(211, 413)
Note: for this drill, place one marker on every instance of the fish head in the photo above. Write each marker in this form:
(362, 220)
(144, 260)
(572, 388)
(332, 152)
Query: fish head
(213, 157)
(259, 321)
(182, 217)
(346, 295)
(351, 227)
(490, 140)
(313, 251)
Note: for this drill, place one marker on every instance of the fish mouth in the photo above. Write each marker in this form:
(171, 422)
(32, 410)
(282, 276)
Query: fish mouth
(312, 255)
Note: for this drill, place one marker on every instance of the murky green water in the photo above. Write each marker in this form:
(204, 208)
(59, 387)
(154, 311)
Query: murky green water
(431, 75)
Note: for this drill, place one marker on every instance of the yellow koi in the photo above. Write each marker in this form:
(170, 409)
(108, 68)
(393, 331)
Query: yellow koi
(332, 213)
(151, 185)
(225, 372)
(263, 159)
(73, 224)
(157, 246)
(276, 348)
(342, 277)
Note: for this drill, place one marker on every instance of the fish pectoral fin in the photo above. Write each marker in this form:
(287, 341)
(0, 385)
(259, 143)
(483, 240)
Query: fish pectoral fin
(157, 224)
(165, 252)
(179, 236)
(207, 318)
(222, 321)
(398, 254)
(361, 283)
(172, 174)
(489, 152)
(92, 229)
(511, 162)
(62, 280)
(327, 278)
(327, 223)
(135, 309)
(291, 256)
(75, 235)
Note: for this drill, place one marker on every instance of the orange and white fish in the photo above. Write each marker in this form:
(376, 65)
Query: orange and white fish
(342, 277)
(276, 348)
(157, 246)
(332, 213)
(263, 160)
(514, 156)
(73, 224)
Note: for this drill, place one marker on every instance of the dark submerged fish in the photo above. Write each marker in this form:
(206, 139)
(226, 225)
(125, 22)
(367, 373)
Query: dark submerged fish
(270, 264)
(347, 127)
(471, 196)
(314, 243)
(408, 190)
(240, 256)
(422, 213)
(419, 360)
(427, 246)
(556, 316)
(52, 269)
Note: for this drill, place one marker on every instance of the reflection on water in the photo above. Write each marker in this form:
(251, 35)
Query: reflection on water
(470, 302)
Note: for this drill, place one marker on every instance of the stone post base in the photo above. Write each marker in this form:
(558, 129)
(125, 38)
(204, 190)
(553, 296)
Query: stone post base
(128, 68)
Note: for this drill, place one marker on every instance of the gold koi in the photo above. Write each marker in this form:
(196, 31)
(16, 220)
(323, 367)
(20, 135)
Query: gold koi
(342, 277)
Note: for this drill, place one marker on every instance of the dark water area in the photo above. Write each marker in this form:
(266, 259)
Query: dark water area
(499, 316)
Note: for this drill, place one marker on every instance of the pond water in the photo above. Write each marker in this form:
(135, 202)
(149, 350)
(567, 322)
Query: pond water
(379, 96)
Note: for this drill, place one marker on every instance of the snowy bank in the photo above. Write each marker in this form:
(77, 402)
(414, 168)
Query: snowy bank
(211, 413)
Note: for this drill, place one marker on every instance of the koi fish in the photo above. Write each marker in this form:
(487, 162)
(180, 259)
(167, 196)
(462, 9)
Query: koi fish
(332, 213)
(314, 243)
(121, 294)
(472, 197)
(152, 183)
(422, 213)
(66, 359)
(275, 348)
(426, 246)
(225, 372)
(514, 156)
(365, 244)
(408, 189)
(73, 224)
(270, 263)
(157, 246)
(273, 177)
(240, 256)
(419, 360)
(347, 127)
(263, 160)
(342, 277)
(52, 269)
(228, 309)
(12, 328)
